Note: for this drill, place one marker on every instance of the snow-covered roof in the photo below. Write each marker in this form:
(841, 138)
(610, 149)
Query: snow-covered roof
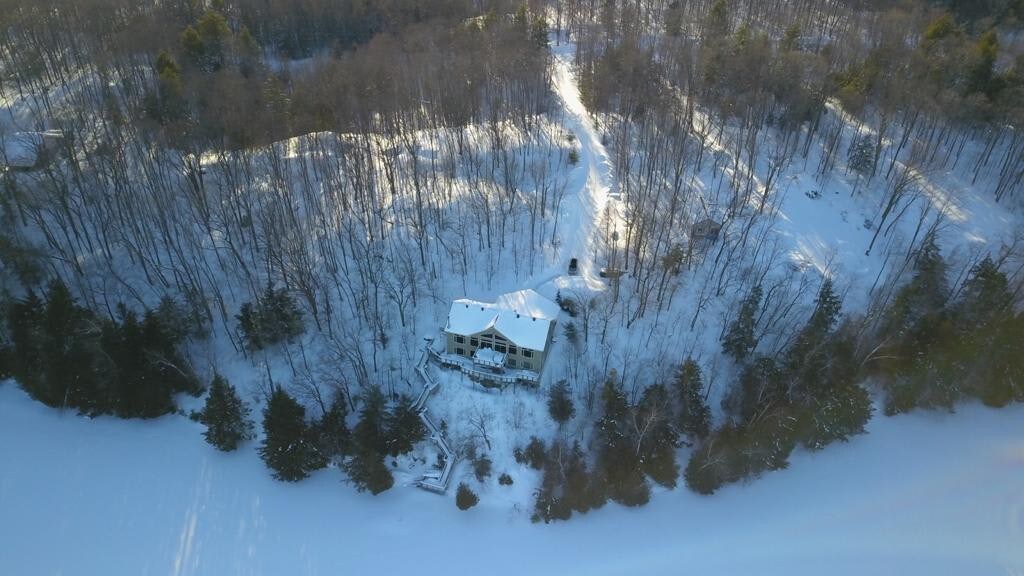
(489, 357)
(530, 303)
(21, 149)
(526, 326)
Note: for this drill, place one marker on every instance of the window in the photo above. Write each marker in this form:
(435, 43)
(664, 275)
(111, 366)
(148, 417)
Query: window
(460, 339)
(527, 353)
(528, 365)
(513, 350)
(499, 348)
(496, 337)
(460, 351)
(511, 362)
(474, 342)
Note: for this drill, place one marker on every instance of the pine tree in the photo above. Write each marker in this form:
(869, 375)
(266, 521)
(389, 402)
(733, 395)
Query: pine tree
(694, 413)
(367, 471)
(861, 155)
(739, 340)
(72, 368)
(287, 448)
(807, 358)
(404, 427)
(226, 416)
(560, 403)
(25, 322)
(274, 318)
(366, 468)
(926, 292)
(657, 436)
(761, 384)
(369, 432)
(619, 466)
(539, 32)
(551, 502)
(333, 437)
(986, 296)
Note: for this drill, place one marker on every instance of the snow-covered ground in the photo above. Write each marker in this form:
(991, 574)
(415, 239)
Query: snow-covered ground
(920, 494)
(926, 493)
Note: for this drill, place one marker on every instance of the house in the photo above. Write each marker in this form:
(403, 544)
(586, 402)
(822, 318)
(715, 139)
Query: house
(29, 150)
(504, 341)
(706, 229)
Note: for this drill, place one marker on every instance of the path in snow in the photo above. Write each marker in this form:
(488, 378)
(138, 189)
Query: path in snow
(590, 181)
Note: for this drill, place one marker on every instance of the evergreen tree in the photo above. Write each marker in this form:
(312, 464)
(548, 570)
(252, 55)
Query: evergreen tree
(331, 431)
(25, 322)
(657, 436)
(926, 292)
(717, 24)
(367, 471)
(694, 413)
(68, 368)
(147, 368)
(580, 492)
(539, 32)
(63, 355)
(986, 296)
(998, 372)
(287, 447)
(551, 502)
(808, 358)
(619, 467)
(226, 416)
(167, 103)
(560, 403)
(761, 385)
(861, 155)
(366, 468)
(274, 318)
(739, 339)
(404, 427)
(369, 432)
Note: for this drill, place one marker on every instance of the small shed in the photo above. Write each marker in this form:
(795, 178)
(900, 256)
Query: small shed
(29, 150)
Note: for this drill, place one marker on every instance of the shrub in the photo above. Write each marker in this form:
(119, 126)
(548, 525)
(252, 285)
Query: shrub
(505, 479)
(482, 468)
(465, 498)
(534, 455)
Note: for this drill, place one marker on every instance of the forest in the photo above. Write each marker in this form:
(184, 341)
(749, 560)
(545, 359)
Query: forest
(256, 211)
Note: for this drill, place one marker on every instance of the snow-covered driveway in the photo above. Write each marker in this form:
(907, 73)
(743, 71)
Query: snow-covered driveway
(590, 181)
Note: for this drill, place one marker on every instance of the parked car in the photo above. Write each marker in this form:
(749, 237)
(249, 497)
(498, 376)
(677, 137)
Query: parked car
(574, 268)
(610, 273)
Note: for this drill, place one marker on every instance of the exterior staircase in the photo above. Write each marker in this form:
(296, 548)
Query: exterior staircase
(435, 480)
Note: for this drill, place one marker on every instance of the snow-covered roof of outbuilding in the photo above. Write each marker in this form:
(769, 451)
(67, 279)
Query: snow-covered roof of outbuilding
(21, 150)
(519, 326)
